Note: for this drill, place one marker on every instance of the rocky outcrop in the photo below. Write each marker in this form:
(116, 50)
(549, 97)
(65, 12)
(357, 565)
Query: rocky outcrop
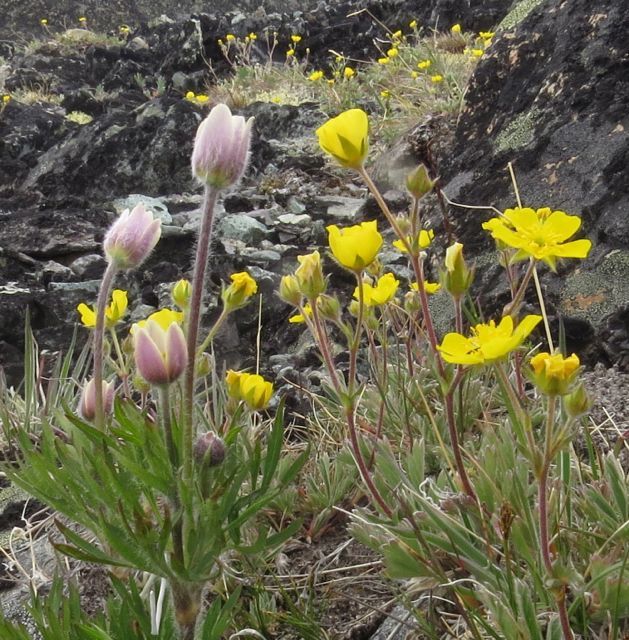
(552, 97)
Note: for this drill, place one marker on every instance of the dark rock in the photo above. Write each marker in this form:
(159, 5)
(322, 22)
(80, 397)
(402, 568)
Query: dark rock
(551, 96)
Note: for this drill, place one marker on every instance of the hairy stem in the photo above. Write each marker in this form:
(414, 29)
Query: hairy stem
(99, 336)
(194, 318)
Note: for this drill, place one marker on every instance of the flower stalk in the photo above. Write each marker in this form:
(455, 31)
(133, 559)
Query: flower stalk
(99, 337)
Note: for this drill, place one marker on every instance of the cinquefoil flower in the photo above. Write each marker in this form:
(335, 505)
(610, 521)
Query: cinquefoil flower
(113, 312)
(384, 291)
(355, 247)
(540, 234)
(346, 138)
(252, 388)
(487, 342)
(554, 374)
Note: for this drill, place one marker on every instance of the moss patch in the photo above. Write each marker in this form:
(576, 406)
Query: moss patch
(518, 13)
(518, 133)
(594, 294)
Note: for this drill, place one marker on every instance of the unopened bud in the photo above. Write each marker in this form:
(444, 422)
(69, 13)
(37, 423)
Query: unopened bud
(203, 365)
(458, 277)
(310, 276)
(578, 402)
(87, 404)
(180, 293)
(132, 237)
(209, 450)
(419, 183)
(237, 294)
(221, 148)
(289, 290)
(329, 307)
(412, 303)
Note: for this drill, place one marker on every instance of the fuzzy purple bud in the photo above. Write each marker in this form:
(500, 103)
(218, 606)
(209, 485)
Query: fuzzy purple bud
(87, 404)
(221, 148)
(161, 355)
(209, 449)
(132, 237)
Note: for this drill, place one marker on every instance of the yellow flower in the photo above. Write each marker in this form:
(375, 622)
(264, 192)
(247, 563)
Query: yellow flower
(190, 95)
(6, 98)
(429, 287)
(437, 78)
(180, 293)
(383, 292)
(414, 74)
(384, 60)
(486, 35)
(295, 38)
(250, 387)
(412, 24)
(82, 19)
(290, 53)
(348, 72)
(315, 76)
(43, 22)
(201, 98)
(392, 52)
(540, 234)
(113, 313)
(237, 295)
(397, 35)
(553, 374)
(355, 247)
(230, 37)
(298, 318)
(310, 276)
(477, 53)
(455, 28)
(422, 242)
(487, 342)
(346, 138)
(253, 36)
(385, 93)
(424, 64)
(164, 318)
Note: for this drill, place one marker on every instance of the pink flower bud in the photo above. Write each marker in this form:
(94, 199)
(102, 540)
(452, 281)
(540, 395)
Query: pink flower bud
(209, 449)
(161, 354)
(221, 148)
(132, 237)
(87, 404)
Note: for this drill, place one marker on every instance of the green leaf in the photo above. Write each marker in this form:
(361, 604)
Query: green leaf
(402, 563)
(274, 448)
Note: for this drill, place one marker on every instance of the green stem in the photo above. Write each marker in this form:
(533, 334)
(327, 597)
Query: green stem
(99, 336)
(543, 481)
(213, 331)
(542, 306)
(514, 306)
(560, 593)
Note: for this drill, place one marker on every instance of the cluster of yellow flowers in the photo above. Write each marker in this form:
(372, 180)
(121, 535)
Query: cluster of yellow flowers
(251, 388)
(197, 98)
(540, 235)
(160, 335)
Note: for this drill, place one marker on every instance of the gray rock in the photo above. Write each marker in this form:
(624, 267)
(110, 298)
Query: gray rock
(90, 266)
(243, 228)
(54, 272)
(159, 209)
(339, 209)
